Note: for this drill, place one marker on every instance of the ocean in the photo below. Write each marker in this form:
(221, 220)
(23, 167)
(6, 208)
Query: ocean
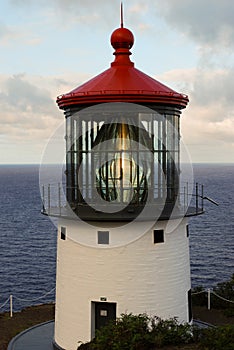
(28, 238)
(212, 234)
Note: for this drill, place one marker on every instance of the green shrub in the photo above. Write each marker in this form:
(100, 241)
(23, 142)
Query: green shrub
(218, 338)
(141, 332)
(130, 332)
(169, 332)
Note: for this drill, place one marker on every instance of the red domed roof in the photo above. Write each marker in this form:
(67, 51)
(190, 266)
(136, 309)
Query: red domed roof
(122, 82)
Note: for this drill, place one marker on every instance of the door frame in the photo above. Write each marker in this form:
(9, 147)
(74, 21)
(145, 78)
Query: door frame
(93, 314)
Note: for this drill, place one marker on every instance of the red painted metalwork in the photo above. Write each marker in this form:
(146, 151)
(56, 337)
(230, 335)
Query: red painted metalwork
(122, 82)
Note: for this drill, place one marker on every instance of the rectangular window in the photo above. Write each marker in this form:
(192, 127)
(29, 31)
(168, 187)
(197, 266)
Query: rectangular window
(103, 237)
(103, 313)
(63, 233)
(158, 236)
(187, 230)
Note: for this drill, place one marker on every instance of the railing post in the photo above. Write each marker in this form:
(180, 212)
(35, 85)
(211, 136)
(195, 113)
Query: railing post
(196, 197)
(49, 199)
(187, 198)
(202, 196)
(11, 305)
(43, 198)
(184, 200)
(208, 294)
(59, 198)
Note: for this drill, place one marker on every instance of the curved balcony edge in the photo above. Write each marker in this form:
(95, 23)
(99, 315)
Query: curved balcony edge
(185, 204)
(158, 213)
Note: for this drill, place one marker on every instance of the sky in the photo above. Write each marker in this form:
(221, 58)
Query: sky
(50, 47)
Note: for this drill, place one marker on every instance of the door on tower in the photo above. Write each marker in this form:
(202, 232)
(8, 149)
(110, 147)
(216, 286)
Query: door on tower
(103, 313)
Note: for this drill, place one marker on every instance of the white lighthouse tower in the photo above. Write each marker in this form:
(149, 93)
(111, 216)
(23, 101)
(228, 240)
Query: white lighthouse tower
(123, 241)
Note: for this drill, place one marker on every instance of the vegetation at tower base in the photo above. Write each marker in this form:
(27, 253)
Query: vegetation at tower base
(224, 290)
(220, 338)
(141, 332)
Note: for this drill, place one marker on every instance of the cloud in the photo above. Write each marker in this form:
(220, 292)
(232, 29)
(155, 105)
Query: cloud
(70, 12)
(102, 15)
(4, 30)
(7, 33)
(211, 86)
(206, 87)
(209, 23)
(12, 35)
(28, 111)
(29, 115)
(208, 121)
(20, 93)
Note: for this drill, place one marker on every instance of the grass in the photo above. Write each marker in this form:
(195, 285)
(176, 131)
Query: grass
(22, 320)
(33, 315)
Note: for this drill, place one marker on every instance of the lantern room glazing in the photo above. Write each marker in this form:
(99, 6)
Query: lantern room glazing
(122, 155)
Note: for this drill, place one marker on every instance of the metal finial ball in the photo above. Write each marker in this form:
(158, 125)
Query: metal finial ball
(122, 38)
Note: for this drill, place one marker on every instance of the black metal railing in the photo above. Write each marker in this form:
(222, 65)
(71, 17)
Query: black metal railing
(189, 200)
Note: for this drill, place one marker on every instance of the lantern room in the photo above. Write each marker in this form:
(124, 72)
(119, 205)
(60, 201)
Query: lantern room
(123, 142)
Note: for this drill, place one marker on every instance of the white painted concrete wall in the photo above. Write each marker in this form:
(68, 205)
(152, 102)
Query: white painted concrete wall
(139, 276)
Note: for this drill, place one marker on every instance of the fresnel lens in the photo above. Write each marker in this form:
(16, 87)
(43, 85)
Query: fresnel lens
(122, 163)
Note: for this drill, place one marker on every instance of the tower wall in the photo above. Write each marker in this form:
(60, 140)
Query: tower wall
(140, 276)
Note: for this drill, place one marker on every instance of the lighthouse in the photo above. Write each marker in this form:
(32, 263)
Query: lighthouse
(123, 237)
